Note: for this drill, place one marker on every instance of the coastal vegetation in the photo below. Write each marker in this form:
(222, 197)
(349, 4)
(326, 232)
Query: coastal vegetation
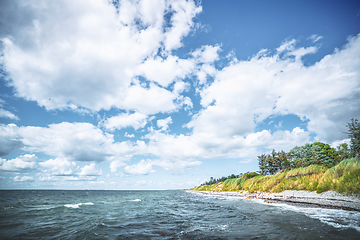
(343, 178)
(312, 167)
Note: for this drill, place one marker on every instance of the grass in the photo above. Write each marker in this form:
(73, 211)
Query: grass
(343, 178)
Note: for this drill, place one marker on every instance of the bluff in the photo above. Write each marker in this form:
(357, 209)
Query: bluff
(343, 178)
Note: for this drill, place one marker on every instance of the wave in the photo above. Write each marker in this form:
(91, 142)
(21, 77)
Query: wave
(135, 200)
(77, 205)
(336, 218)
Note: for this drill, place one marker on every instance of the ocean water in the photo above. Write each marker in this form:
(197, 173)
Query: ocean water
(57, 214)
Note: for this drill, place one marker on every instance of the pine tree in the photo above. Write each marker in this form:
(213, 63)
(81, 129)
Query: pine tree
(354, 135)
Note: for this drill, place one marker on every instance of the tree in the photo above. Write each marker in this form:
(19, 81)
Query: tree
(284, 159)
(354, 135)
(301, 156)
(263, 164)
(273, 162)
(323, 154)
(344, 152)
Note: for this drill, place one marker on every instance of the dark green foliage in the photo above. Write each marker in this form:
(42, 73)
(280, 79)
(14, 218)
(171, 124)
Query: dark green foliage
(274, 162)
(316, 153)
(250, 175)
(344, 152)
(354, 135)
(222, 179)
(263, 164)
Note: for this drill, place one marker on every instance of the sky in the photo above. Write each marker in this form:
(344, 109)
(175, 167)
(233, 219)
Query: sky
(164, 94)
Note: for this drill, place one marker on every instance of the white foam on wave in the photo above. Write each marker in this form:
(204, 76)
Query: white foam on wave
(336, 218)
(77, 205)
(135, 200)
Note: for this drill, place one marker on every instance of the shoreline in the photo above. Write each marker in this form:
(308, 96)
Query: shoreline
(329, 199)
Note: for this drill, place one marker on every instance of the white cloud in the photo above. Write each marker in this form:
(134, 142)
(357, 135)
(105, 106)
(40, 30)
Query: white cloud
(9, 139)
(164, 123)
(204, 71)
(141, 168)
(68, 143)
(247, 92)
(6, 114)
(82, 55)
(166, 71)
(176, 164)
(73, 141)
(207, 54)
(315, 38)
(279, 140)
(48, 178)
(115, 164)
(129, 135)
(150, 100)
(90, 170)
(287, 46)
(135, 120)
(60, 167)
(179, 87)
(183, 13)
(24, 163)
(337, 143)
(85, 54)
(23, 179)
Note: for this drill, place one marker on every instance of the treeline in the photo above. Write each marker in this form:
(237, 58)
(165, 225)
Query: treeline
(315, 153)
(223, 179)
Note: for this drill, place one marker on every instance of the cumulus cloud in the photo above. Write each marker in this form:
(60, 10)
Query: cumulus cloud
(69, 143)
(166, 71)
(73, 141)
(181, 21)
(90, 170)
(48, 178)
(247, 92)
(89, 56)
(85, 54)
(141, 168)
(115, 164)
(135, 120)
(129, 135)
(24, 163)
(207, 54)
(60, 167)
(164, 123)
(9, 139)
(175, 165)
(23, 179)
(6, 114)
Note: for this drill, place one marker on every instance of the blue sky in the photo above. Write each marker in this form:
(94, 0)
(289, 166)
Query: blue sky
(166, 94)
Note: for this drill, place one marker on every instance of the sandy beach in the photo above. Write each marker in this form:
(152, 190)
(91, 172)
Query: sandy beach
(329, 199)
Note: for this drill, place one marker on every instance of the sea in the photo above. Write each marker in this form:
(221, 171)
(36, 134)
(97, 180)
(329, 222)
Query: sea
(172, 214)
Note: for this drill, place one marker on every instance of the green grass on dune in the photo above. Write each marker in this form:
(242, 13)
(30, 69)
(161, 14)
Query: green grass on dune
(343, 178)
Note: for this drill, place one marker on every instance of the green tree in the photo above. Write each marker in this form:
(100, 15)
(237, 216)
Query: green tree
(344, 152)
(301, 156)
(284, 159)
(263, 164)
(354, 135)
(323, 154)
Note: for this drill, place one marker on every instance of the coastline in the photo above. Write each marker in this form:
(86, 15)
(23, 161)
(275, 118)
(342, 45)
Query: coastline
(329, 199)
